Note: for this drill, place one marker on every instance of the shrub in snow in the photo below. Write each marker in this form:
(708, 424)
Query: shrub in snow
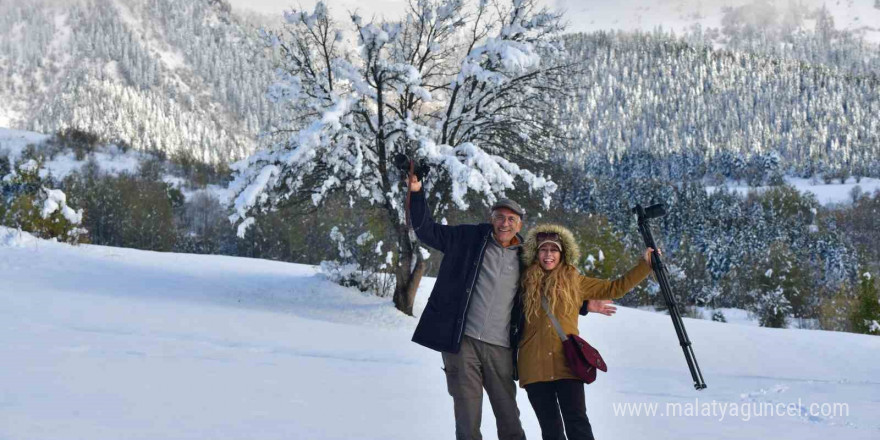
(718, 316)
(42, 211)
(856, 193)
(764, 169)
(139, 209)
(777, 288)
(771, 308)
(837, 309)
(779, 272)
(707, 296)
(82, 142)
(867, 309)
(361, 264)
(605, 253)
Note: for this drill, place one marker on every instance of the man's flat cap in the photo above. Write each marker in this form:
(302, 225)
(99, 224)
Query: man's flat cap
(511, 205)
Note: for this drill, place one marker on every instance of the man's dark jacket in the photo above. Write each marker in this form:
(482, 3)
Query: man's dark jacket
(441, 325)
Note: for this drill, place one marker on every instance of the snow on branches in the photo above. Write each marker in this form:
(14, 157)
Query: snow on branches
(471, 168)
(33, 206)
(463, 86)
(56, 201)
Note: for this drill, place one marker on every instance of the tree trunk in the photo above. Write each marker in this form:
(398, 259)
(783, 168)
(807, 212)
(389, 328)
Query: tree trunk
(407, 285)
(407, 275)
(414, 281)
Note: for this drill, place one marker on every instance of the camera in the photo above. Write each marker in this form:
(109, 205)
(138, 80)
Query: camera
(420, 168)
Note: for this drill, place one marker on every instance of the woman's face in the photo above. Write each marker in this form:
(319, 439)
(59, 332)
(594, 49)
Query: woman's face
(549, 256)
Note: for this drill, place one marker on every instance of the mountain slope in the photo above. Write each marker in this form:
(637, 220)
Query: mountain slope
(190, 77)
(110, 343)
(171, 75)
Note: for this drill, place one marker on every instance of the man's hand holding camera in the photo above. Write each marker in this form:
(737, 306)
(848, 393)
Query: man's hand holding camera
(419, 170)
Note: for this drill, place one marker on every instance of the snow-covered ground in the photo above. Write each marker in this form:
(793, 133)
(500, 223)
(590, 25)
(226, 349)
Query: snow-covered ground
(110, 343)
(110, 158)
(834, 193)
(13, 142)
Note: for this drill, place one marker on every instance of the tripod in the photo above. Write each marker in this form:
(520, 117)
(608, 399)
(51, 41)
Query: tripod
(660, 272)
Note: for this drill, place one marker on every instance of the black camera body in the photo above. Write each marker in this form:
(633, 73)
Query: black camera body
(420, 169)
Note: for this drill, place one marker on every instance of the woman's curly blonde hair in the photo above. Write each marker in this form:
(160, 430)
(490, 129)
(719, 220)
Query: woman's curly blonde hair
(559, 286)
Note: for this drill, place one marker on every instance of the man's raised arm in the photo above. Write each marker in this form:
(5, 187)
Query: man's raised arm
(429, 232)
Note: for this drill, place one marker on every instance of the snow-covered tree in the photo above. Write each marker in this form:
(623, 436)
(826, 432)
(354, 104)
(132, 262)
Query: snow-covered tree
(466, 87)
(26, 202)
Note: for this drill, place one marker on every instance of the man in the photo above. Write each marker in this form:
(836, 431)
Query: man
(474, 315)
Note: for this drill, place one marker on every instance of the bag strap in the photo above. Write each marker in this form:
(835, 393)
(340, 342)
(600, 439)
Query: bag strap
(553, 319)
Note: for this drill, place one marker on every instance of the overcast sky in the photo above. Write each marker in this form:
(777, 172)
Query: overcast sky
(582, 15)
(591, 15)
(381, 7)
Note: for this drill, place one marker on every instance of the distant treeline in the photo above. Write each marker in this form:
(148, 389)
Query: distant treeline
(776, 252)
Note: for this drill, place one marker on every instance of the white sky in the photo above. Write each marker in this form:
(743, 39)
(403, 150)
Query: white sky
(387, 8)
(590, 15)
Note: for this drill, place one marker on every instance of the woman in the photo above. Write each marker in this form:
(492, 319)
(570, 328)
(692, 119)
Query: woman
(549, 253)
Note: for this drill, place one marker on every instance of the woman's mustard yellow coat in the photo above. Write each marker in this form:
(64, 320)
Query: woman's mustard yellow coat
(541, 358)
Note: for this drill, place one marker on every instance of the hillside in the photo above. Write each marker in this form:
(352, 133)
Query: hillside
(681, 109)
(191, 78)
(182, 77)
(760, 136)
(106, 343)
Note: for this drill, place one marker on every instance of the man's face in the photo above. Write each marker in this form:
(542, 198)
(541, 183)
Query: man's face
(506, 224)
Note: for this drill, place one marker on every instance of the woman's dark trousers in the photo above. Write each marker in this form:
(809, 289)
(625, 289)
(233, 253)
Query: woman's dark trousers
(561, 401)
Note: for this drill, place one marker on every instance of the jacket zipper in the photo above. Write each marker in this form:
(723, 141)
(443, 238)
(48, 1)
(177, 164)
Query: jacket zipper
(467, 303)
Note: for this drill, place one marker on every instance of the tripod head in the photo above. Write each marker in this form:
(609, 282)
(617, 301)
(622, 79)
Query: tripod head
(656, 210)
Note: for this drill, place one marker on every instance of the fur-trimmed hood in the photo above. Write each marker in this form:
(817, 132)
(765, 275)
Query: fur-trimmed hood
(570, 249)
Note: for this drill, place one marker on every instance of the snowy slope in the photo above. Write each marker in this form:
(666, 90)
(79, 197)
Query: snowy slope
(111, 159)
(109, 343)
(13, 142)
(834, 193)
